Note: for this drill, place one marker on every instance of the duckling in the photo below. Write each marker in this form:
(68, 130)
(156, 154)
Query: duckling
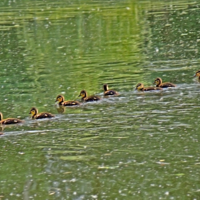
(158, 82)
(109, 92)
(140, 87)
(197, 74)
(35, 115)
(85, 97)
(62, 102)
(9, 120)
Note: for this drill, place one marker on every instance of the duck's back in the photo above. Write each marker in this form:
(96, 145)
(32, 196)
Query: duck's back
(111, 92)
(44, 115)
(11, 121)
(70, 103)
(167, 84)
(91, 98)
(151, 88)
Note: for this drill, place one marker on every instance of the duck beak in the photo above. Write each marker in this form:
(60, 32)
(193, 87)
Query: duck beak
(79, 95)
(194, 75)
(29, 112)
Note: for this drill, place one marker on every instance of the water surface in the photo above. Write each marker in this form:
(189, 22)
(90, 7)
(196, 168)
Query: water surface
(134, 146)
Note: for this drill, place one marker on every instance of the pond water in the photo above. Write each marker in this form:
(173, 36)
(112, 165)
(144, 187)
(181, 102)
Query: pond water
(134, 146)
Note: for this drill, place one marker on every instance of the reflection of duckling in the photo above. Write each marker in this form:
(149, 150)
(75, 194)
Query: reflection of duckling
(62, 102)
(140, 87)
(197, 74)
(35, 115)
(158, 82)
(9, 120)
(84, 96)
(109, 92)
(1, 129)
(60, 109)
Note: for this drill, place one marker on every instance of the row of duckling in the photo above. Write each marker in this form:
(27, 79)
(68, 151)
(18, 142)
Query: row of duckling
(85, 98)
(61, 102)
(159, 84)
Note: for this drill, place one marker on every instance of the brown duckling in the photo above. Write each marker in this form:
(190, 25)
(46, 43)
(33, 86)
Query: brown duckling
(85, 97)
(109, 92)
(197, 74)
(62, 102)
(9, 120)
(35, 115)
(159, 83)
(140, 87)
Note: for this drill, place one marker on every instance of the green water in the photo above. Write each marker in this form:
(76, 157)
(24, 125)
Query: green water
(134, 146)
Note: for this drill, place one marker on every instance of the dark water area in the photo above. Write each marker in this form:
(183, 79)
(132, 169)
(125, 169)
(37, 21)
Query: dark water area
(138, 145)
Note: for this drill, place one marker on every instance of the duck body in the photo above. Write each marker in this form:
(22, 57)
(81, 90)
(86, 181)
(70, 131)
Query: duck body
(140, 87)
(91, 98)
(35, 115)
(62, 102)
(9, 120)
(166, 85)
(43, 115)
(87, 98)
(159, 83)
(108, 92)
(70, 103)
(151, 88)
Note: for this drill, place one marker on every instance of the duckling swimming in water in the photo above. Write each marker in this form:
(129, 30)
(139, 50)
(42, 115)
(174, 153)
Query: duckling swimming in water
(159, 83)
(85, 97)
(197, 74)
(9, 120)
(62, 102)
(140, 87)
(35, 115)
(108, 92)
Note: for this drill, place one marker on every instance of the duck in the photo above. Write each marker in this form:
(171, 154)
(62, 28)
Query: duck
(35, 115)
(140, 87)
(60, 98)
(87, 98)
(9, 120)
(159, 83)
(197, 74)
(108, 92)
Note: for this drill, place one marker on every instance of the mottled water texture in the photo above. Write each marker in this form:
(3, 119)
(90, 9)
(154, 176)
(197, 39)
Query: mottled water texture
(134, 146)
